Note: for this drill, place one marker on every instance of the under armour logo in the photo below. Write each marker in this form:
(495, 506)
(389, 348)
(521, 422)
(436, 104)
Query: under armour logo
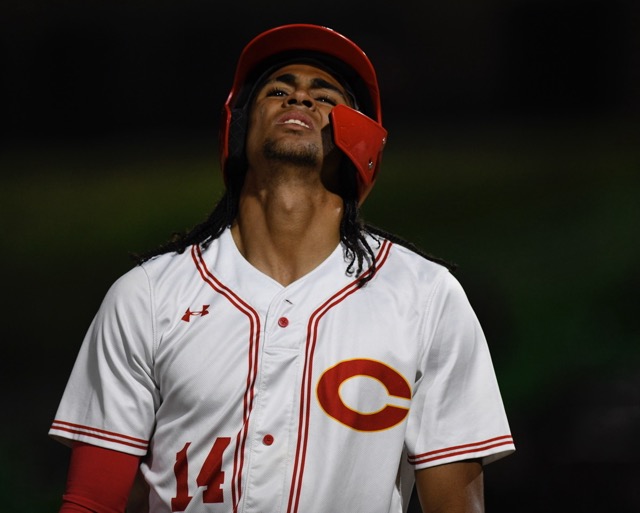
(187, 315)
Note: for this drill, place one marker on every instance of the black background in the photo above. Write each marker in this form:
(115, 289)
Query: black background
(84, 78)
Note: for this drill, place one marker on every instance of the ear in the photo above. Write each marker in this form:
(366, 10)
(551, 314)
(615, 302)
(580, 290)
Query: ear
(362, 139)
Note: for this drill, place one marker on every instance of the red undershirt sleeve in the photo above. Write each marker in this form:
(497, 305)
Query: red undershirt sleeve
(99, 480)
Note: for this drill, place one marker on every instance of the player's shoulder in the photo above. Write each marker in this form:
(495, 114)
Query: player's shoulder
(416, 282)
(416, 271)
(160, 264)
(150, 273)
(417, 259)
(406, 259)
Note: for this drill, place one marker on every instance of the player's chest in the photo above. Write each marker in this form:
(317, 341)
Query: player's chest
(219, 343)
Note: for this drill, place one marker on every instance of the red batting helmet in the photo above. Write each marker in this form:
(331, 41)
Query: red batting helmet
(358, 133)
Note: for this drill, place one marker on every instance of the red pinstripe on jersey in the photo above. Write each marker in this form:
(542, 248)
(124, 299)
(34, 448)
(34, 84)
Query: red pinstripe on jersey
(254, 342)
(305, 395)
(100, 434)
(460, 450)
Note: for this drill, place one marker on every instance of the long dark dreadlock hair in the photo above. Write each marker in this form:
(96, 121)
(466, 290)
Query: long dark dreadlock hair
(354, 233)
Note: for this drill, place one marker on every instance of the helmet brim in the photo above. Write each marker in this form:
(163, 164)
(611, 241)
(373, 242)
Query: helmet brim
(303, 38)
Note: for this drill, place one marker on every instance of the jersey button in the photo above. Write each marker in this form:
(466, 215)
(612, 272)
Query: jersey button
(267, 440)
(283, 322)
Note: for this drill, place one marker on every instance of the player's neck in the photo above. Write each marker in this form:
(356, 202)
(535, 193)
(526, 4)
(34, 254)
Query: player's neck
(288, 230)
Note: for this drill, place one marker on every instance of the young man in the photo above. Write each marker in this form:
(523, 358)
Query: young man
(282, 356)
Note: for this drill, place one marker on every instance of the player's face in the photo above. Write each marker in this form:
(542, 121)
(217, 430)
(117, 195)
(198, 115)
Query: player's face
(290, 116)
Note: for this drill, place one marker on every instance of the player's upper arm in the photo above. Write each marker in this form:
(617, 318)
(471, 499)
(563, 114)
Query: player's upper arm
(451, 488)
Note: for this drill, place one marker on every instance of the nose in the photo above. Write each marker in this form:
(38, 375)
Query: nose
(301, 97)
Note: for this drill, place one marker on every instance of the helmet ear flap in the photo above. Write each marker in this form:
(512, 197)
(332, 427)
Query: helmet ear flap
(237, 133)
(232, 141)
(362, 140)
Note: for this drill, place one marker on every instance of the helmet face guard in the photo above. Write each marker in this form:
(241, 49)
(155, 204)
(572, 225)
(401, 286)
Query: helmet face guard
(359, 135)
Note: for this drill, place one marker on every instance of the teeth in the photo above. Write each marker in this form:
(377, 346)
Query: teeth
(295, 122)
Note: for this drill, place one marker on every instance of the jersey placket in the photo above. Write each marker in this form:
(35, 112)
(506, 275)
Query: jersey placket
(273, 424)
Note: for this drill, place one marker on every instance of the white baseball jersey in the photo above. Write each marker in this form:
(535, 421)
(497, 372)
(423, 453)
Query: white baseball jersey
(247, 396)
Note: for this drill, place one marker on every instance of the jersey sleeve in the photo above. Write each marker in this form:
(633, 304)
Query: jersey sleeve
(111, 396)
(457, 411)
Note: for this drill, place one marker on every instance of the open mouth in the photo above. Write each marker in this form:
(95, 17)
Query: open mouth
(296, 122)
(296, 119)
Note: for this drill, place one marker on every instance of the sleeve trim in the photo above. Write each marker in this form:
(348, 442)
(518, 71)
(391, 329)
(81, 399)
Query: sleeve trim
(460, 450)
(100, 434)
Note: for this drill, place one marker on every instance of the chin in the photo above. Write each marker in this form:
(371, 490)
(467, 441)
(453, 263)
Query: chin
(301, 154)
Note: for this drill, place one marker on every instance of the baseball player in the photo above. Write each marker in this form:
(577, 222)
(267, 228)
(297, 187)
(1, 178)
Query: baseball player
(284, 357)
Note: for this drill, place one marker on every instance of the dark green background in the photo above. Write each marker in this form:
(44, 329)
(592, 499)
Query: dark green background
(513, 151)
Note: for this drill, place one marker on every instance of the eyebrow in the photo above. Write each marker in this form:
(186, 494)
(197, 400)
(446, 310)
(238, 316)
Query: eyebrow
(316, 83)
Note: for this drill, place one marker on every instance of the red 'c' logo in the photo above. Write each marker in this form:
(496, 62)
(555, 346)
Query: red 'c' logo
(328, 391)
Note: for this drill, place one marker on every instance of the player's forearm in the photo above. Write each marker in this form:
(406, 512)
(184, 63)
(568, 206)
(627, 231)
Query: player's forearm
(452, 488)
